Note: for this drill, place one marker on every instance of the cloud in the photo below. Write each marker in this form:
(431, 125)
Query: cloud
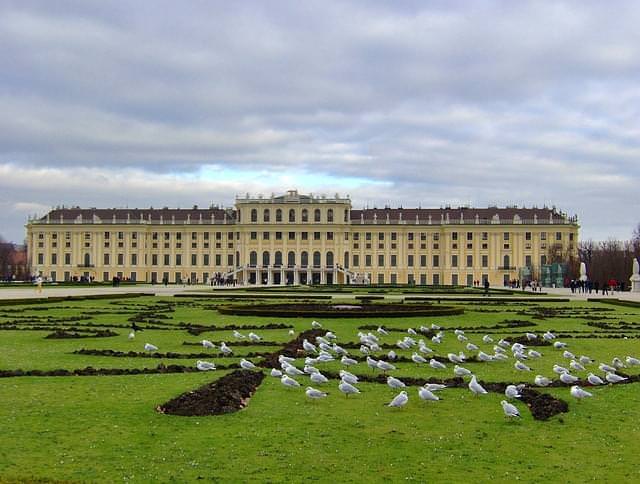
(419, 103)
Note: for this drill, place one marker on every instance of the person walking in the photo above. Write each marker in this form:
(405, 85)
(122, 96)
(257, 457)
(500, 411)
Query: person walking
(486, 287)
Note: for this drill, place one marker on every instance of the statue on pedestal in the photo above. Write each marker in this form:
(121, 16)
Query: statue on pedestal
(635, 277)
(583, 271)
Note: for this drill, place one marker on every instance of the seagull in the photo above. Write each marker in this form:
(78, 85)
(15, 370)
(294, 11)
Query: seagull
(371, 363)
(289, 382)
(133, 335)
(434, 387)
(310, 347)
(462, 338)
(472, 347)
(150, 347)
(617, 362)
(318, 378)
(510, 410)
(613, 378)
(461, 371)
(542, 381)
(534, 354)
(458, 332)
(568, 378)
(291, 332)
(435, 327)
(531, 336)
(500, 356)
(238, 335)
(348, 361)
(285, 359)
(364, 349)
(205, 365)
(453, 358)
(521, 366)
(395, 383)
(330, 335)
(382, 331)
(416, 358)
(475, 387)
(207, 344)
(347, 388)
(436, 365)
(308, 369)
(247, 365)
(560, 369)
(568, 355)
(504, 343)
(411, 331)
(512, 392)
(606, 368)
(314, 394)
(275, 372)
(632, 361)
(579, 393)
(339, 350)
(384, 366)
(292, 371)
(436, 339)
(585, 360)
(427, 395)
(425, 349)
(487, 339)
(559, 345)
(576, 366)
(403, 345)
(225, 349)
(254, 337)
(482, 356)
(391, 355)
(316, 325)
(594, 379)
(348, 377)
(400, 400)
(548, 336)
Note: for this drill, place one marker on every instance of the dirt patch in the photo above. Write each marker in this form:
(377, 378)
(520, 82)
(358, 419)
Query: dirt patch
(90, 371)
(62, 334)
(542, 405)
(225, 395)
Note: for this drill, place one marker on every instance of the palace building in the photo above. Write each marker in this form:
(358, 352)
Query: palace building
(299, 239)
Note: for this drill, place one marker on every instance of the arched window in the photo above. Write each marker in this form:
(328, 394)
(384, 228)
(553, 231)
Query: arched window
(292, 215)
(506, 261)
(346, 215)
(87, 260)
(346, 260)
(316, 215)
(266, 215)
(278, 215)
(304, 259)
(305, 215)
(316, 259)
(291, 259)
(253, 258)
(278, 259)
(265, 258)
(254, 215)
(329, 258)
(330, 215)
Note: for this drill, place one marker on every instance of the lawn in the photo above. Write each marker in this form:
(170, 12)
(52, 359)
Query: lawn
(107, 429)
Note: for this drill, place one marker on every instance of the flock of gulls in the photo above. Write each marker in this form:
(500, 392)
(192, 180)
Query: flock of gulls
(325, 349)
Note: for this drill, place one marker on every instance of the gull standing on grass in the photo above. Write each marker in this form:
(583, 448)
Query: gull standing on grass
(150, 347)
(207, 344)
(247, 365)
(132, 335)
(475, 387)
(347, 388)
(238, 335)
(289, 382)
(510, 410)
(521, 366)
(275, 372)
(512, 392)
(613, 378)
(400, 400)
(395, 383)
(384, 366)
(568, 378)
(542, 381)
(427, 395)
(348, 361)
(436, 365)
(314, 394)
(225, 349)
(579, 393)
(594, 379)
(434, 387)
(318, 378)
(461, 371)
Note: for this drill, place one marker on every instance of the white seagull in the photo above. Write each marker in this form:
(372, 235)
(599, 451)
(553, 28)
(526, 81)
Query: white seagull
(510, 410)
(316, 325)
(384, 366)
(395, 383)
(427, 395)
(289, 382)
(348, 361)
(521, 366)
(542, 381)
(436, 365)
(434, 387)
(416, 358)
(632, 361)
(512, 392)
(579, 393)
(207, 344)
(348, 377)
(205, 365)
(400, 400)
(475, 387)
(314, 394)
(225, 349)
(132, 335)
(275, 372)
(487, 339)
(461, 371)
(594, 379)
(247, 365)
(150, 347)
(318, 378)
(568, 378)
(238, 335)
(613, 378)
(347, 388)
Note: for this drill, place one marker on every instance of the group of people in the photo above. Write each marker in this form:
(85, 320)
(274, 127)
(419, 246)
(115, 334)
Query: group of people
(218, 279)
(578, 286)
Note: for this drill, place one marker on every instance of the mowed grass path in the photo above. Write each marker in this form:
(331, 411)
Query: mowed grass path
(106, 428)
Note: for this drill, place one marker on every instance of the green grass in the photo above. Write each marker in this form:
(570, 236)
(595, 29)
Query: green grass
(106, 429)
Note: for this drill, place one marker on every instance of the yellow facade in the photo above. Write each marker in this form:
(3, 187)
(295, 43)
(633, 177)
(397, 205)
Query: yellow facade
(297, 238)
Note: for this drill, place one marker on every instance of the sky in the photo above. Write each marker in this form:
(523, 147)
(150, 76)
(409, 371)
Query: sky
(416, 103)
